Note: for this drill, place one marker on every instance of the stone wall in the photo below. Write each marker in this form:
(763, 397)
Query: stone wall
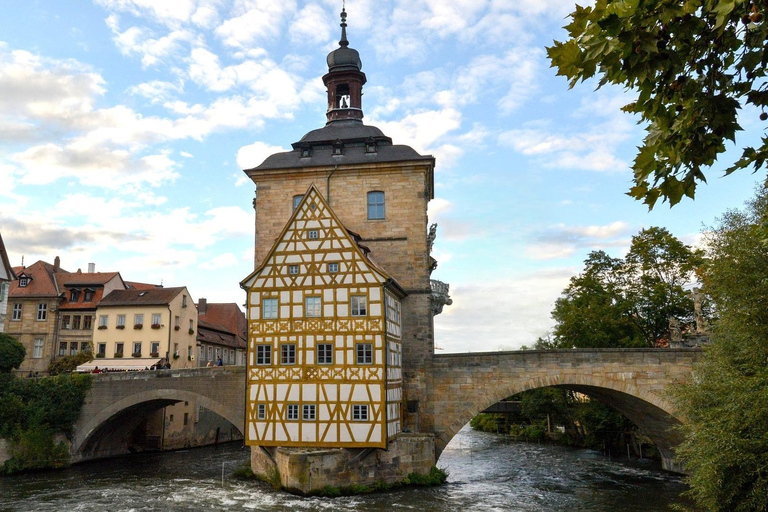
(305, 471)
(632, 381)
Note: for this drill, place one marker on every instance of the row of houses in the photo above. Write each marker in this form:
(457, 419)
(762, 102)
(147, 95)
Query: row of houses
(125, 325)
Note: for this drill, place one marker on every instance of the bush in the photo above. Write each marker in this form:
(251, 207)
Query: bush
(68, 364)
(12, 353)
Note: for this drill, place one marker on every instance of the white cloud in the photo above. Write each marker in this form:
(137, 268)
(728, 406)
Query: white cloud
(152, 50)
(563, 241)
(257, 20)
(311, 24)
(518, 314)
(254, 154)
(221, 261)
(158, 91)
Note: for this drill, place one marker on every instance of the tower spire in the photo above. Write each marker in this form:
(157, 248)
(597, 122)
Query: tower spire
(343, 41)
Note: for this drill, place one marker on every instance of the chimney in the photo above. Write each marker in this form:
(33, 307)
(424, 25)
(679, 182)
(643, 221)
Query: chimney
(202, 306)
(56, 264)
(91, 268)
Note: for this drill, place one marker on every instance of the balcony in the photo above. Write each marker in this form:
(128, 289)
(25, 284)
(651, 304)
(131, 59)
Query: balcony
(439, 296)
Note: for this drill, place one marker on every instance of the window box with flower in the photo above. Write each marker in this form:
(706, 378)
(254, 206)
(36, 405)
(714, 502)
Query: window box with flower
(156, 326)
(138, 326)
(136, 354)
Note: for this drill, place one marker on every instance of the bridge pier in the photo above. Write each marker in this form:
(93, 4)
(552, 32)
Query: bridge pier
(308, 470)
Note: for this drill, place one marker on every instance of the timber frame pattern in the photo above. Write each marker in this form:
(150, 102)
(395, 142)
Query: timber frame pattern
(325, 355)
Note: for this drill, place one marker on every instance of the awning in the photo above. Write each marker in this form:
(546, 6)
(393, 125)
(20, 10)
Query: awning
(118, 364)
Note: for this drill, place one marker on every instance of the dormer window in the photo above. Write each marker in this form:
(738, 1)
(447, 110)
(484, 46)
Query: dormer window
(370, 145)
(88, 295)
(74, 295)
(23, 281)
(337, 147)
(305, 152)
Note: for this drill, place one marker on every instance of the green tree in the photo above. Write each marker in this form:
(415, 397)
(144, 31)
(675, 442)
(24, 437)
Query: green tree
(11, 353)
(694, 64)
(726, 404)
(68, 364)
(628, 303)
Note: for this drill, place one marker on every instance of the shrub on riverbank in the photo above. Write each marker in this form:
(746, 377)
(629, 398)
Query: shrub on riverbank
(33, 413)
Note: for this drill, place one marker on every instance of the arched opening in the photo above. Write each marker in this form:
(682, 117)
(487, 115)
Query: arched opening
(653, 416)
(342, 96)
(154, 421)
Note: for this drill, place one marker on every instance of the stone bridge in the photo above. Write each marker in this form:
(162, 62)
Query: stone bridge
(633, 381)
(119, 402)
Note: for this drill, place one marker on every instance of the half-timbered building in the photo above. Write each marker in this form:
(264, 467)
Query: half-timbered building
(324, 351)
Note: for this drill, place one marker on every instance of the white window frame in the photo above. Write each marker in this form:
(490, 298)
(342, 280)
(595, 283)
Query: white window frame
(358, 305)
(261, 411)
(136, 345)
(138, 319)
(157, 318)
(293, 270)
(325, 353)
(42, 312)
(313, 234)
(333, 267)
(103, 320)
(120, 321)
(292, 412)
(364, 353)
(269, 308)
(309, 412)
(313, 307)
(37, 350)
(16, 315)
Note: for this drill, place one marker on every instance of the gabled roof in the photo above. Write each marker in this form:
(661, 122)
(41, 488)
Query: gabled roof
(151, 297)
(41, 281)
(218, 335)
(226, 316)
(73, 279)
(133, 285)
(5, 264)
(314, 210)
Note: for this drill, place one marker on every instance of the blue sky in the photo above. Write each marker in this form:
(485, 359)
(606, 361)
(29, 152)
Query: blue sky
(124, 126)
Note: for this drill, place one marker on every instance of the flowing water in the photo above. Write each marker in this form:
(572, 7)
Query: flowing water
(486, 473)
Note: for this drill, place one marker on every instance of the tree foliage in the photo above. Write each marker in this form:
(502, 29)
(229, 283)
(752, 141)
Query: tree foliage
(628, 302)
(693, 64)
(12, 353)
(68, 364)
(726, 405)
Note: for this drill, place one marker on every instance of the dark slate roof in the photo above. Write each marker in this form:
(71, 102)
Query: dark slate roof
(353, 135)
(152, 297)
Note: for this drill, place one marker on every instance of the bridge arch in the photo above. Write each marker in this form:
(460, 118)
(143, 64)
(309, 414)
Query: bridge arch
(464, 390)
(119, 402)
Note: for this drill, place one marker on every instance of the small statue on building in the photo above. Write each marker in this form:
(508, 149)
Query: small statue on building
(701, 322)
(675, 332)
(431, 237)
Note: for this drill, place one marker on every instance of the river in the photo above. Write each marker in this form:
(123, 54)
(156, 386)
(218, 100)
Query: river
(486, 473)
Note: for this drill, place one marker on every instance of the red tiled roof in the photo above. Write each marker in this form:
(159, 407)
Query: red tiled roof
(151, 297)
(85, 278)
(133, 285)
(227, 315)
(217, 335)
(41, 284)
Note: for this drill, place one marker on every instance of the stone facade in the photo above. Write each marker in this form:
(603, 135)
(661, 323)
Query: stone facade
(632, 381)
(305, 471)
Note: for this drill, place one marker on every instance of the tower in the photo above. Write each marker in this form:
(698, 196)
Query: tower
(344, 191)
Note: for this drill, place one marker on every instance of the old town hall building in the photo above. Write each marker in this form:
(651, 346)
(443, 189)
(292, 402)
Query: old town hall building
(340, 305)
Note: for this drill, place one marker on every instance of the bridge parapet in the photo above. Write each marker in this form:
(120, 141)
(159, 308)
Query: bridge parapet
(633, 381)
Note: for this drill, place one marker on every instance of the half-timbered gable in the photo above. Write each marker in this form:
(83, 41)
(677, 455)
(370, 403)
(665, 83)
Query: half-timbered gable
(324, 355)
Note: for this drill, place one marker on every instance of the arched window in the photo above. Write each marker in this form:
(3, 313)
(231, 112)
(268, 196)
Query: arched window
(375, 205)
(342, 96)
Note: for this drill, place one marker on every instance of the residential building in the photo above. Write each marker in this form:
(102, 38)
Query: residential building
(81, 293)
(221, 333)
(6, 276)
(136, 329)
(33, 313)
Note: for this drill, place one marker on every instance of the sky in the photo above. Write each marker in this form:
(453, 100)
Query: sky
(125, 126)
